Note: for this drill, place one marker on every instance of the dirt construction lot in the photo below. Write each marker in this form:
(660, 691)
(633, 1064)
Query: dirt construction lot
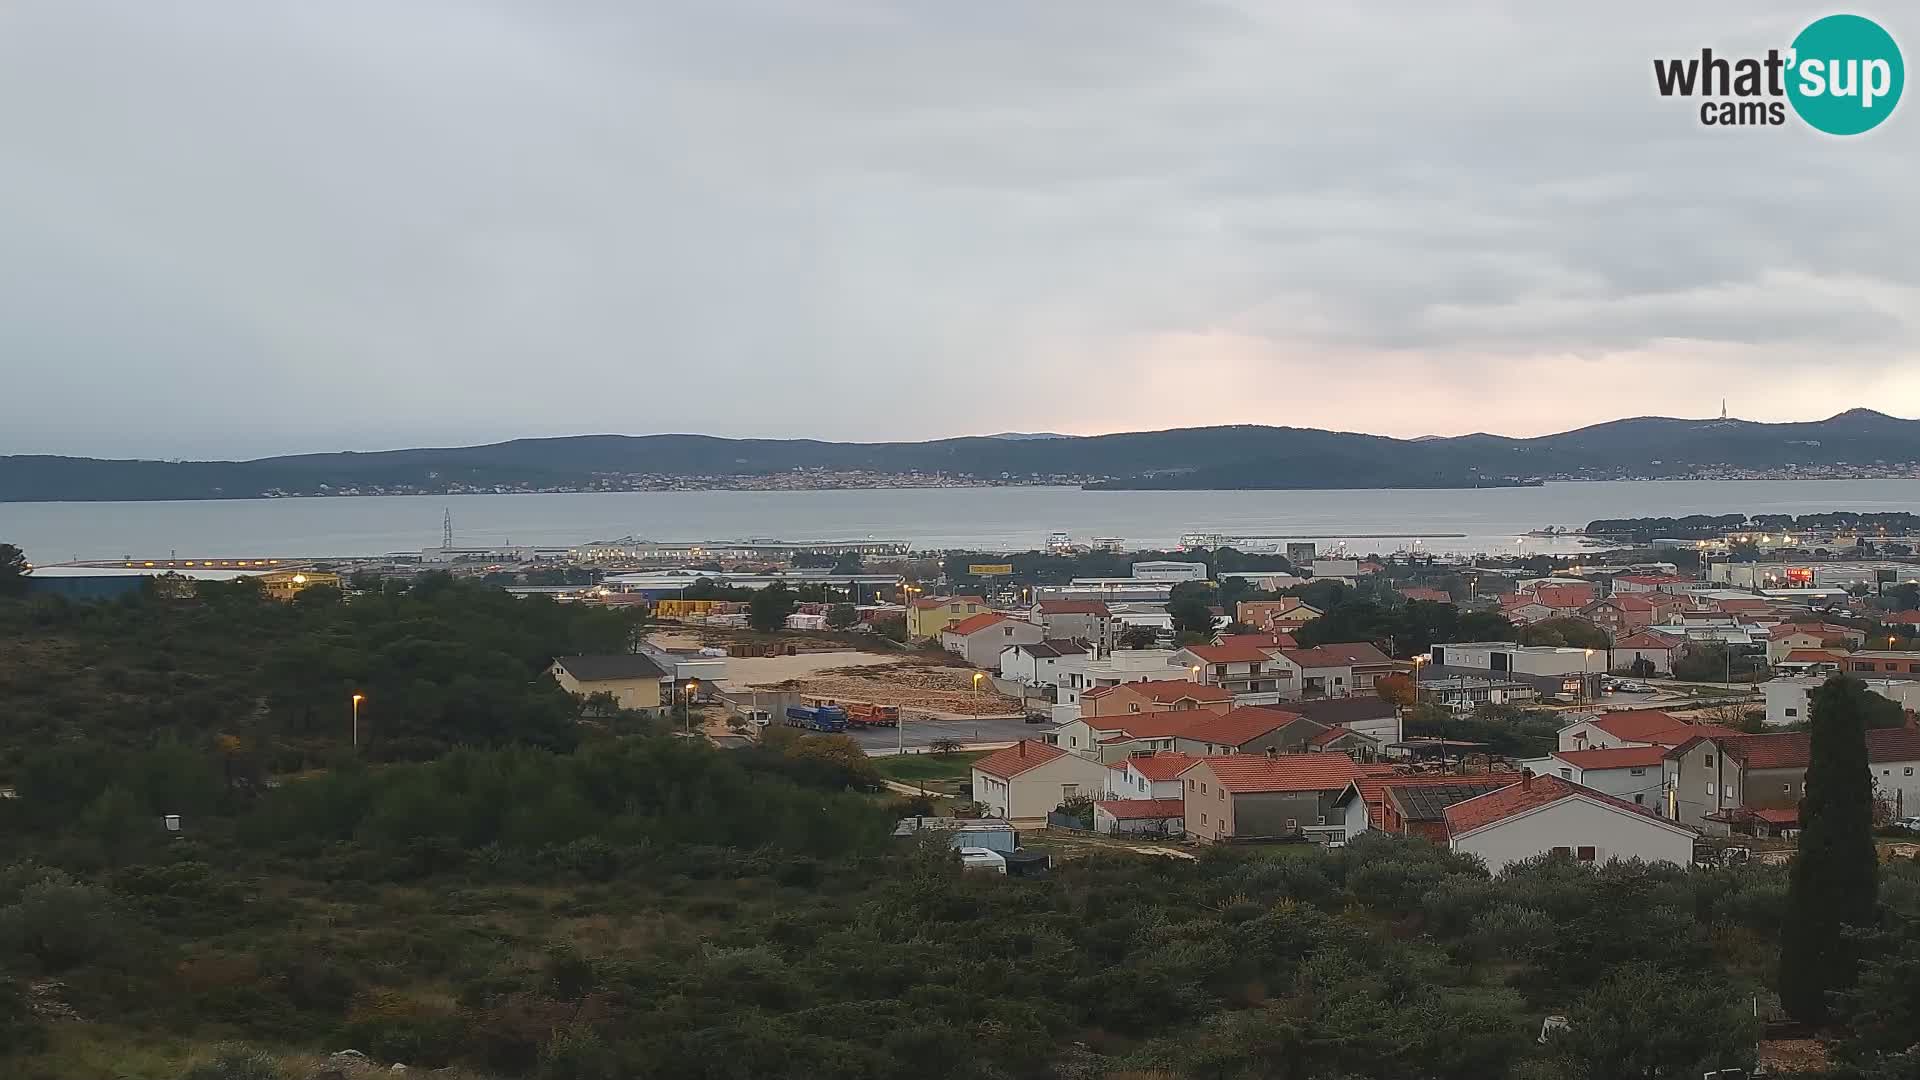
(920, 688)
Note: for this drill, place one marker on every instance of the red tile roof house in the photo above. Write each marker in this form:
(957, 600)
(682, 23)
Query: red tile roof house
(1248, 731)
(1636, 774)
(1412, 804)
(1623, 614)
(1086, 620)
(1240, 669)
(1712, 774)
(1633, 727)
(1140, 817)
(979, 639)
(1563, 599)
(1656, 649)
(1148, 776)
(1026, 781)
(1649, 583)
(1339, 669)
(1416, 592)
(1268, 797)
(1540, 815)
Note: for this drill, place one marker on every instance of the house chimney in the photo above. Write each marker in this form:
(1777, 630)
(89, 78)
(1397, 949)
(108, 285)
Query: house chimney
(1272, 753)
(1526, 779)
(1023, 748)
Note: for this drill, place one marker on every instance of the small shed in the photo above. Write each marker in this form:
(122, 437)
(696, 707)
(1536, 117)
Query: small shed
(994, 834)
(1140, 817)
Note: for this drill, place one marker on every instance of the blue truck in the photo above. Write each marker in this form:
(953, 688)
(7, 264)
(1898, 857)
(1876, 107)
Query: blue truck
(817, 717)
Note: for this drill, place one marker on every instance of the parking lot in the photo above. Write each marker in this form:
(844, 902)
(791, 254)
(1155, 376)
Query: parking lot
(924, 733)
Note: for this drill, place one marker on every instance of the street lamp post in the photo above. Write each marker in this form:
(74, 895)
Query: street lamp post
(357, 699)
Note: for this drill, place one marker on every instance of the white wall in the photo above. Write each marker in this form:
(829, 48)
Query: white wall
(1035, 792)
(1574, 823)
(1787, 699)
(1898, 782)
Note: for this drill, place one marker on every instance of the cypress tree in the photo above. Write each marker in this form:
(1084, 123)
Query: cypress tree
(1836, 871)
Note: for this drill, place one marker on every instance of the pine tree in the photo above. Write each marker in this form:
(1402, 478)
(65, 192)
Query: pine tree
(1836, 870)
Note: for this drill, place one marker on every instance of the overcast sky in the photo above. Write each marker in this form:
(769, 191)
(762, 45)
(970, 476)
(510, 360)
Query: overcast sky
(243, 227)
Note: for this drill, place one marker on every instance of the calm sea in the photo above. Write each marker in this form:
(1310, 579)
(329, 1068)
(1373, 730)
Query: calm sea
(1490, 520)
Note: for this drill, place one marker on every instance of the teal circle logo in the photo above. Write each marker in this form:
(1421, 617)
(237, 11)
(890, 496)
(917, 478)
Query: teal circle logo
(1846, 75)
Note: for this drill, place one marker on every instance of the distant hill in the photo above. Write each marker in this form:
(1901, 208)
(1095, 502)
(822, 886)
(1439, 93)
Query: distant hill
(1235, 457)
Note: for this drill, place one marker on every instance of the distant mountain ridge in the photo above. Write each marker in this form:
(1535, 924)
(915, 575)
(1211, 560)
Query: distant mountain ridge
(1228, 457)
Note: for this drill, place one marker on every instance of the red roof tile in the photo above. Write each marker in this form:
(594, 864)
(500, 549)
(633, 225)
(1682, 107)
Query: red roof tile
(1564, 597)
(1341, 654)
(1812, 656)
(1415, 592)
(1244, 773)
(1143, 809)
(1237, 726)
(1636, 725)
(1626, 757)
(1164, 765)
(1164, 691)
(1146, 725)
(973, 624)
(1073, 607)
(1531, 794)
(1023, 756)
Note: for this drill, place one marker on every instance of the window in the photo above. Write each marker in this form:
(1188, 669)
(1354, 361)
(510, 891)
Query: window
(1203, 817)
(1562, 851)
(1203, 787)
(1133, 706)
(1586, 854)
(1566, 774)
(1223, 794)
(1793, 712)
(1786, 789)
(1709, 761)
(1069, 791)
(1639, 800)
(1073, 740)
(1190, 784)
(1637, 772)
(1323, 819)
(1709, 787)
(1908, 771)
(1293, 823)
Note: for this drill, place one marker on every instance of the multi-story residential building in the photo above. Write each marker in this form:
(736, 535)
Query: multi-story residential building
(927, 617)
(1076, 620)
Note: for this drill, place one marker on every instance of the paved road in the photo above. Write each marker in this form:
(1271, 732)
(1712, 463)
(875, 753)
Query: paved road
(924, 733)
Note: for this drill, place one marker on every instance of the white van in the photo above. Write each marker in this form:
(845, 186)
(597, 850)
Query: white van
(985, 860)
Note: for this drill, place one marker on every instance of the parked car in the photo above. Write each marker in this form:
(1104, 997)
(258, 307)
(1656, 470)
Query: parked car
(1910, 824)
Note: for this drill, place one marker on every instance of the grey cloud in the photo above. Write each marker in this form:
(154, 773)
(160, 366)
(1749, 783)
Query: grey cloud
(235, 228)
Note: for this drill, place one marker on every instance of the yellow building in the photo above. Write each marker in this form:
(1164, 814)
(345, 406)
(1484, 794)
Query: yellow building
(286, 584)
(926, 618)
(632, 679)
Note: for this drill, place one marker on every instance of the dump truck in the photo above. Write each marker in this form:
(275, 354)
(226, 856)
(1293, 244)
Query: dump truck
(867, 714)
(817, 717)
